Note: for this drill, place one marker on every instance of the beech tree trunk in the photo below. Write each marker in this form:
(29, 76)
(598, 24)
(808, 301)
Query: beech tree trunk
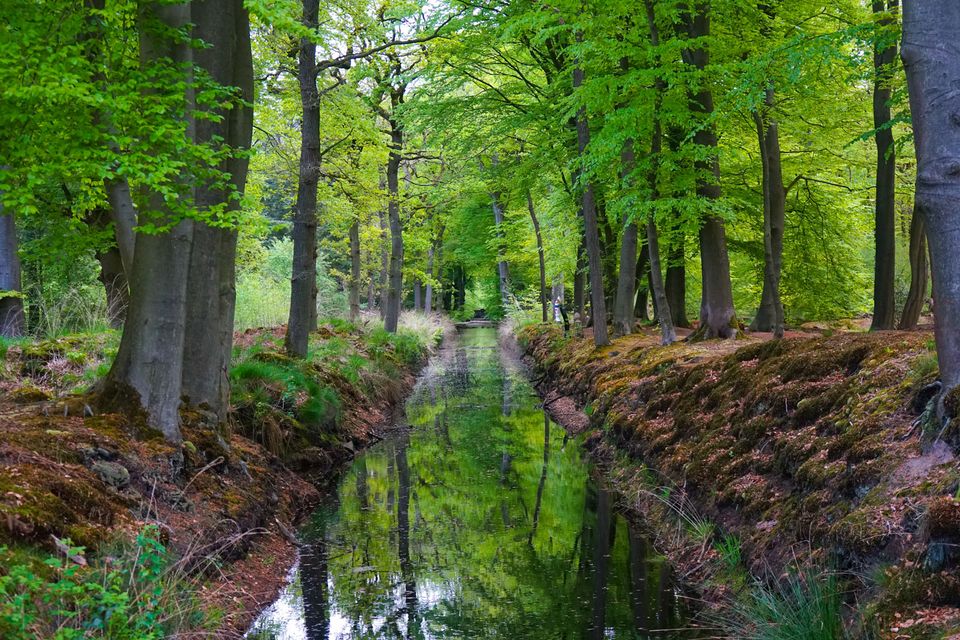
(124, 216)
(770, 313)
(384, 282)
(224, 26)
(355, 271)
(579, 281)
(147, 372)
(11, 300)
(544, 301)
(114, 281)
(932, 66)
(503, 269)
(623, 304)
(395, 289)
(303, 280)
(591, 235)
(668, 334)
(718, 318)
(642, 279)
(676, 282)
(918, 272)
(884, 274)
(428, 294)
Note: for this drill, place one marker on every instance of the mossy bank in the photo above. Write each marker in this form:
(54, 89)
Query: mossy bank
(807, 452)
(219, 510)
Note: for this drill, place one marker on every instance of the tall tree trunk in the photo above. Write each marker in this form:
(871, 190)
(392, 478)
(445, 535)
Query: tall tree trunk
(395, 288)
(503, 269)
(676, 283)
(933, 71)
(544, 302)
(384, 282)
(224, 26)
(147, 372)
(591, 235)
(642, 272)
(355, 271)
(417, 295)
(579, 278)
(918, 272)
(428, 294)
(11, 302)
(770, 313)
(668, 334)
(303, 280)
(717, 316)
(124, 216)
(623, 305)
(114, 281)
(884, 272)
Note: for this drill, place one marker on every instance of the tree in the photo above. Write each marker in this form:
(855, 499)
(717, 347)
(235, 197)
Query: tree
(884, 57)
(933, 68)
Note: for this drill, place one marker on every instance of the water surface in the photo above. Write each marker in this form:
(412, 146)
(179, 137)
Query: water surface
(480, 521)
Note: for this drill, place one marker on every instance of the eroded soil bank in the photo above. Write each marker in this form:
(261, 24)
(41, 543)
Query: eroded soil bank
(812, 451)
(225, 504)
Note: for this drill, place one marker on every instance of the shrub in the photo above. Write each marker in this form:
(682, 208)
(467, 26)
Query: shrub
(138, 595)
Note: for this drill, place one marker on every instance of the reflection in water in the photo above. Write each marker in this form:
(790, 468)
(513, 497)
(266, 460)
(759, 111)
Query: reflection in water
(477, 523)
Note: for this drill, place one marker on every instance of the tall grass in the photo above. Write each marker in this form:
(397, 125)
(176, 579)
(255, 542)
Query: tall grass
(804, 606)
(80, 309)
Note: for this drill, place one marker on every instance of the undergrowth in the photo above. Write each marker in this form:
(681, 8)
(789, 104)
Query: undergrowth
(140, 593)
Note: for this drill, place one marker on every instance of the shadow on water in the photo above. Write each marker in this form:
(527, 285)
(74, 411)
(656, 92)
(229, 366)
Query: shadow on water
(481, 521)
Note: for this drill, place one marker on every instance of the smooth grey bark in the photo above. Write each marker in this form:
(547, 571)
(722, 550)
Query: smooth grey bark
(718, 318)
(884, 273)
(590, 229)
(224, 26)
(503, 269)
(147, 372)
(11, 302)
(544, 303)
(303, 280)
(355, 271)
(770, 313)
(395, 271)
(932, 65)
(918, 272)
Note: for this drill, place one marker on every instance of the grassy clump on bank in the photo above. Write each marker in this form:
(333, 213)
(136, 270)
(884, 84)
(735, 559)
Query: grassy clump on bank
(297, 409)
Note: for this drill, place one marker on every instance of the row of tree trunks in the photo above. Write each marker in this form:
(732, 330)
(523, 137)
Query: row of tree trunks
(591, 235)
(668, 334)
(177, 339)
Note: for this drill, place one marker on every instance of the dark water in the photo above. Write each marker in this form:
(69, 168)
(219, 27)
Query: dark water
(482, 521)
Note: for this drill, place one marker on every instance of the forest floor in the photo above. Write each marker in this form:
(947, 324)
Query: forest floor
(757, 457)
(226, 505)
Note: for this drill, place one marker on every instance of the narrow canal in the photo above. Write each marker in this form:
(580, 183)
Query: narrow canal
(482, 520)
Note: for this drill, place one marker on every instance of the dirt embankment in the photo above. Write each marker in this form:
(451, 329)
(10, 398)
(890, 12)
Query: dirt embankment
(226, 506)
(810, 450)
